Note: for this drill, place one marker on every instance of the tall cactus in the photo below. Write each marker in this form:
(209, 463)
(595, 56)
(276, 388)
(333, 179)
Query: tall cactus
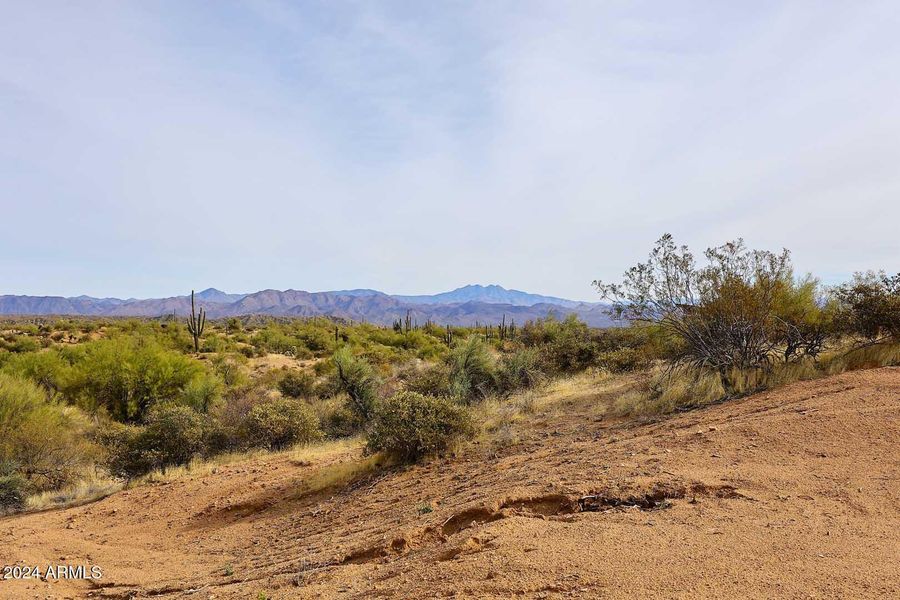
(196, 323)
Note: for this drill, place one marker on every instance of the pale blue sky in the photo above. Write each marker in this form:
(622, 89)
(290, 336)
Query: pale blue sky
(150, 147)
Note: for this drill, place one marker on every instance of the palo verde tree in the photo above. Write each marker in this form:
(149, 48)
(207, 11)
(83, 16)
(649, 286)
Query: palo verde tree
(196, 323)
(743, 309)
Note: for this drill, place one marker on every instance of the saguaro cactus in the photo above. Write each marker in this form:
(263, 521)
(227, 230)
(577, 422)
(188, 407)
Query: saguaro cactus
(196, 323)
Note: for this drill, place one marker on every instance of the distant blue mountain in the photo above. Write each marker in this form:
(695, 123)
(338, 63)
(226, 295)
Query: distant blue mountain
(463, 306)
(214, 295)
(491, 294)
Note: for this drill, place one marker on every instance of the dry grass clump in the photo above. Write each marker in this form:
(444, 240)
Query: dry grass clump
(94, 487)
(665, 390)
(866, 357)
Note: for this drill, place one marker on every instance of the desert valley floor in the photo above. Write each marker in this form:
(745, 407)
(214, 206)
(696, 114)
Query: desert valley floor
(793, 493)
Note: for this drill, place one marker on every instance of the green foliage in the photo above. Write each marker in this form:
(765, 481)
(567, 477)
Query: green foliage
(172, 436)
(519, 370)
(19, 343)
(40, 440)
(230, 368)
(358, 381)
(472, 369)
(743, 310)
(281, 423)
(297, 384)
(201, 393)
(431, 380)
(409, 425)
(128, 375)
(50, 370)
(869, 307)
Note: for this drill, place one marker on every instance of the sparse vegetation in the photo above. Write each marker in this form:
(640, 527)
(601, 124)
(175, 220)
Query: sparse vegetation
(84, 398)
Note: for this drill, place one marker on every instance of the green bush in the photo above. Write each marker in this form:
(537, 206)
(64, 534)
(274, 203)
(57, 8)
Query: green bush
(43, 440)
(472, 369)
(519, 370)
(202, 393)
(281, 423)
(128, 375)
(335, 417)
(12, 493)
(297, 384)
(172, 436)
(869, 307)
(357, 379)
(432, 380)
(409, 425)
(50, 369)
(125, 457)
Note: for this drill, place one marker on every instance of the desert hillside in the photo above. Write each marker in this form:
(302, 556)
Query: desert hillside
(792, 493)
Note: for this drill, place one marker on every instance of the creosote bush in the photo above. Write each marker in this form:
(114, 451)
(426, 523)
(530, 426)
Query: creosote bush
(432, 380)
(409, 426)
(297, 384)
(172, 437)
(281, 423)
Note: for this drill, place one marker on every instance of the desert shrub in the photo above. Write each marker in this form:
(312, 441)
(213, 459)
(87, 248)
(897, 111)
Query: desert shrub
(409, 425)
(633, 348)
(570, 347)
(125, 456)
(869, 307)
(20, 343)
(432, 380)
(12, 493)
(743, 310)
(172, 436)
(202, 393)
(281, 423)
(47, 369)
(336, 419)
(472, 369)
(226, 422)
(564, 346)
(519, 370)
(357, 379)
(297, 384)
(127, 376)
(43, 440)
(231, 369)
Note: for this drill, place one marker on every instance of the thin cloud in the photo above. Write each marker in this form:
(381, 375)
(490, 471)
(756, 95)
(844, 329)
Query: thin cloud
(149, 149)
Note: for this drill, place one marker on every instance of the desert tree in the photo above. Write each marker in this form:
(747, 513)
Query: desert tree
(743, 309)
(869, 307)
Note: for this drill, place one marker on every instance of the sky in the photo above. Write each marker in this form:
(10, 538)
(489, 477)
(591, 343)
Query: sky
(148, 148)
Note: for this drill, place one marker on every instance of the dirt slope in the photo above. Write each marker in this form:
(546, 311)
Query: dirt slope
(788, 494)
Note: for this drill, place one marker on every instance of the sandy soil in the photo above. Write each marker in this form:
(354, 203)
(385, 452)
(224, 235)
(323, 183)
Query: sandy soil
(793, 493)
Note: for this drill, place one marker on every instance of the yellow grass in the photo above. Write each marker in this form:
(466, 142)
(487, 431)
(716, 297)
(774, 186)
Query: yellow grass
(92, 488)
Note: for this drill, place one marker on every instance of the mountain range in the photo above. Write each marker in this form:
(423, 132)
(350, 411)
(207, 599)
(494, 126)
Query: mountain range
(462, 306)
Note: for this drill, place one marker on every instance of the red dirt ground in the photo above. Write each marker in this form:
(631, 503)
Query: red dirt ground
(793, 493)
